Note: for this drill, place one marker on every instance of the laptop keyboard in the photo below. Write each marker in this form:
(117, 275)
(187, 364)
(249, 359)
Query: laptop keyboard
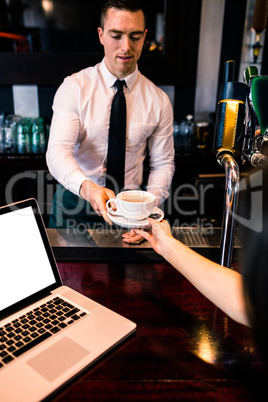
(27, 331)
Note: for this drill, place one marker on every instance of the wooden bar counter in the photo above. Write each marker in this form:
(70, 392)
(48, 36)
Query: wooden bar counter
(184, 347)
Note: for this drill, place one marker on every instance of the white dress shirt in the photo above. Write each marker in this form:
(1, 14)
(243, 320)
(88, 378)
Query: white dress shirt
(78, 140)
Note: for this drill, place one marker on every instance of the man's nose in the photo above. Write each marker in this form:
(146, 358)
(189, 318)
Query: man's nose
(126, 43)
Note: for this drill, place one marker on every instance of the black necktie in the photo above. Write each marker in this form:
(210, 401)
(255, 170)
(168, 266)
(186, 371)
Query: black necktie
(117, 140)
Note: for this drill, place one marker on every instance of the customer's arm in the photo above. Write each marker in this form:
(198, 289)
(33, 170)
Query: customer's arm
(220, 285)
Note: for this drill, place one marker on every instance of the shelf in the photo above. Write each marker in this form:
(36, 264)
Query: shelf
(23, 161)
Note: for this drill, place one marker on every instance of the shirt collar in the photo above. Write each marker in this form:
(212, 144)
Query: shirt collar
(110, 79)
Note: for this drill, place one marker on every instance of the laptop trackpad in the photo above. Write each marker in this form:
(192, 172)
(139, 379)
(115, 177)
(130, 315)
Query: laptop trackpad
(58, 358)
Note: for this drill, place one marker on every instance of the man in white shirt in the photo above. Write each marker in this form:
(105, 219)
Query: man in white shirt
(77, 149)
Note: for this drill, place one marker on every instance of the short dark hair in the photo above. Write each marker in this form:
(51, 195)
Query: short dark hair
(129, 5)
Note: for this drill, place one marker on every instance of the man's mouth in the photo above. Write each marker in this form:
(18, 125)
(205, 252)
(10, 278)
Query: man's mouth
(124, 58)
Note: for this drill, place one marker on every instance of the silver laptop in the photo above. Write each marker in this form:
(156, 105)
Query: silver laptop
(48, 332)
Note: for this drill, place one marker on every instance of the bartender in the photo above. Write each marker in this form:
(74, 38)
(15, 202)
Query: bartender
(78, 141)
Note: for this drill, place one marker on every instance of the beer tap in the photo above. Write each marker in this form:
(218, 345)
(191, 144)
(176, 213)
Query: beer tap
(239, 130)
(256, 121)
(228, 141)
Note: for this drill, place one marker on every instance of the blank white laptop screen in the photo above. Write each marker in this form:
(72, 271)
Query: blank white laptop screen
(25, 267)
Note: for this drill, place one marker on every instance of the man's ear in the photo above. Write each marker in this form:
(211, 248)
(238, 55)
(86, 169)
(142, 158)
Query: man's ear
(100, 33)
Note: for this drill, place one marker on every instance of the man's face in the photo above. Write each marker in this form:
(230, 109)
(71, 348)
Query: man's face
(123, 38)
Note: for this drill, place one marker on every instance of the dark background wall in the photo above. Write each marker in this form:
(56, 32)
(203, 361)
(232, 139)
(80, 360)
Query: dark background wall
(176, 65)
(47, 66)
(66, 51)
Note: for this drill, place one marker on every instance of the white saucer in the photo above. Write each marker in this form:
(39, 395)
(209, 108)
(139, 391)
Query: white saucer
(127, 224)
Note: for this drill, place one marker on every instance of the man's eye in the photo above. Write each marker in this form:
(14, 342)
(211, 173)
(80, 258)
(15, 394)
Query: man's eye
(116, 37)
(135, 38)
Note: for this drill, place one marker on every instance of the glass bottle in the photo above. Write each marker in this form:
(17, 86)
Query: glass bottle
(2, 137)
(10, 133)
(23, 136)
(38, 136)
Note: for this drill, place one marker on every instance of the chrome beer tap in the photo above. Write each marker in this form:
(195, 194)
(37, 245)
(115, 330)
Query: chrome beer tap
(256, 122)
(241, 129)
(228, 141)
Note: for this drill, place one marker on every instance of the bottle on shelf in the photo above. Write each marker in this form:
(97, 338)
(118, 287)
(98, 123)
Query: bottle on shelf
(23, 136)
(184, 135)
(10, 133)
(38, 136)
(2, 137)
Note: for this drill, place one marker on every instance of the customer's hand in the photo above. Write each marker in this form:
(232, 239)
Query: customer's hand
(158, 235)
(97, 196)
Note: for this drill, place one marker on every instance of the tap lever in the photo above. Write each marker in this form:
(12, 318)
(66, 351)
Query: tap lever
(258, 159)
(259, 93)
(229, 70)
(249, 73)
(228, 135)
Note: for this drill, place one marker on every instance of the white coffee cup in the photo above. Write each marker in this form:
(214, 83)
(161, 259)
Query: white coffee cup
(134, 205)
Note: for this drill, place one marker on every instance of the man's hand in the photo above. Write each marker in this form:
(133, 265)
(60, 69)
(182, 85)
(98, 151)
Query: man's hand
(132, 237)
(97, 196)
